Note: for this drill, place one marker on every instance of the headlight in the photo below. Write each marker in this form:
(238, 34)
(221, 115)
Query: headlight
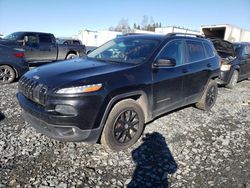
(225, 67)
(80, 89)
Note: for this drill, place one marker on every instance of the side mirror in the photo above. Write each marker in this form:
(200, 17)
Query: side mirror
(165, 63)
(89, 51)
(26, 39)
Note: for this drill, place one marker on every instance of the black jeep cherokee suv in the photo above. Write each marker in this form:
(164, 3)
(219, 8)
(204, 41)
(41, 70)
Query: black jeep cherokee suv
(109, 95)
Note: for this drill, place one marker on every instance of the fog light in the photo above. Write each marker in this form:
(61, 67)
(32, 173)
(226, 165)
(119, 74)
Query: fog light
(66, 109)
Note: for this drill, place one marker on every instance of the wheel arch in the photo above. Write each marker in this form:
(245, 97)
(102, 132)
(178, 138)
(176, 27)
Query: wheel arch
(71, 52)
(139, 96)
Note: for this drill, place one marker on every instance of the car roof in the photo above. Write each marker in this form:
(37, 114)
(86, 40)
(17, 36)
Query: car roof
(33, 32)
(163, 37)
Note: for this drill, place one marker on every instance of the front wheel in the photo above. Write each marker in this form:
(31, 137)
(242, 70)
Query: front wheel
(7, 74)
(124, 125)
(233, 80)
(209, 96)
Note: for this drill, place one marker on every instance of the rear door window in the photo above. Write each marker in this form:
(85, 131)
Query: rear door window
(195, 51)
(45, 38)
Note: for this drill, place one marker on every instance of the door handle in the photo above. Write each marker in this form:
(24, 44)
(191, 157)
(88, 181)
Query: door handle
(208, 65)
(184, 70)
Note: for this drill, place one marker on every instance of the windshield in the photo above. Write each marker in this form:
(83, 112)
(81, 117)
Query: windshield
(125, 50)
(14, 36)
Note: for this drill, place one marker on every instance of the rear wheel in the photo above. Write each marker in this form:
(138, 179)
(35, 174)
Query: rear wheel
(233, 80)
(7, 74)
(71, 56)
(124, 125)
(209, 96)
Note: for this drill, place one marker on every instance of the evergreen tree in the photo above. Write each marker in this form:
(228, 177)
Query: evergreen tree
(135, 26)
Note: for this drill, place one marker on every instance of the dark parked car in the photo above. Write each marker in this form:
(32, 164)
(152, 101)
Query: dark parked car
(120, 86)
(242, 51)
(42, 47)
(234, 65)
(12, 64)
(229, 62)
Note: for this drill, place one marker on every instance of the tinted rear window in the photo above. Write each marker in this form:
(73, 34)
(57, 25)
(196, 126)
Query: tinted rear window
(209, 50)
(44, 38)
(195, 51)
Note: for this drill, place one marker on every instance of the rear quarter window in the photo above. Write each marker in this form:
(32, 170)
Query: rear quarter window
(195, 51)
(209, 50)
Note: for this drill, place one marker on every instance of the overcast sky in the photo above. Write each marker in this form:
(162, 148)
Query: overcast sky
(67, 17)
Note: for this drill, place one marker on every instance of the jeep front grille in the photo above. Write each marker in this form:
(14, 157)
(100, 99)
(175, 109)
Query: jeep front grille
(33, 90)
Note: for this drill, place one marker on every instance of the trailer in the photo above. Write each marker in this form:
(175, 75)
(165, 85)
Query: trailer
(226, 32)
(174, 29)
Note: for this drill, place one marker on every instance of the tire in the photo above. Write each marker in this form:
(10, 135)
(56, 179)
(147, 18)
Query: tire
(7, 74)
(233, 80)
(71, 56)
(124, 125)
(209, 96)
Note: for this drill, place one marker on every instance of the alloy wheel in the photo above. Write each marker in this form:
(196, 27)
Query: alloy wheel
(211, 96)
(6, 74)
(126, 126)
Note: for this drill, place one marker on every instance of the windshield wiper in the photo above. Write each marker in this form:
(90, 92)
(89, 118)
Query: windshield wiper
(108, 60)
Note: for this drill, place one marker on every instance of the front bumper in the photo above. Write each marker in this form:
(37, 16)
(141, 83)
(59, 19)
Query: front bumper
(62, 133)
(62, 127)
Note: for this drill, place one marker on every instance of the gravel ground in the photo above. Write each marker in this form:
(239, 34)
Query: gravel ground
(186, 148)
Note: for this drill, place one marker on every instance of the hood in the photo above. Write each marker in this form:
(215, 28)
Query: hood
(72, 71)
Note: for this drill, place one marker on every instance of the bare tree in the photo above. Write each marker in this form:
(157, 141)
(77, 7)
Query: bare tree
(144, 23)
(122, 25)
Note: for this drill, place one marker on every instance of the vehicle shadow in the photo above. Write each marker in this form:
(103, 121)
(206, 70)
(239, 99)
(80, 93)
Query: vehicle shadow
(1, 116)
(154, 162)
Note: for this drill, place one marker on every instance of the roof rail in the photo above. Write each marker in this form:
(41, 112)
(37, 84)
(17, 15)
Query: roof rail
(185, 34)
(128, 34)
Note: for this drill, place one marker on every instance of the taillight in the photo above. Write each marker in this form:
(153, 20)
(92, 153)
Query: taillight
(19, 54)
